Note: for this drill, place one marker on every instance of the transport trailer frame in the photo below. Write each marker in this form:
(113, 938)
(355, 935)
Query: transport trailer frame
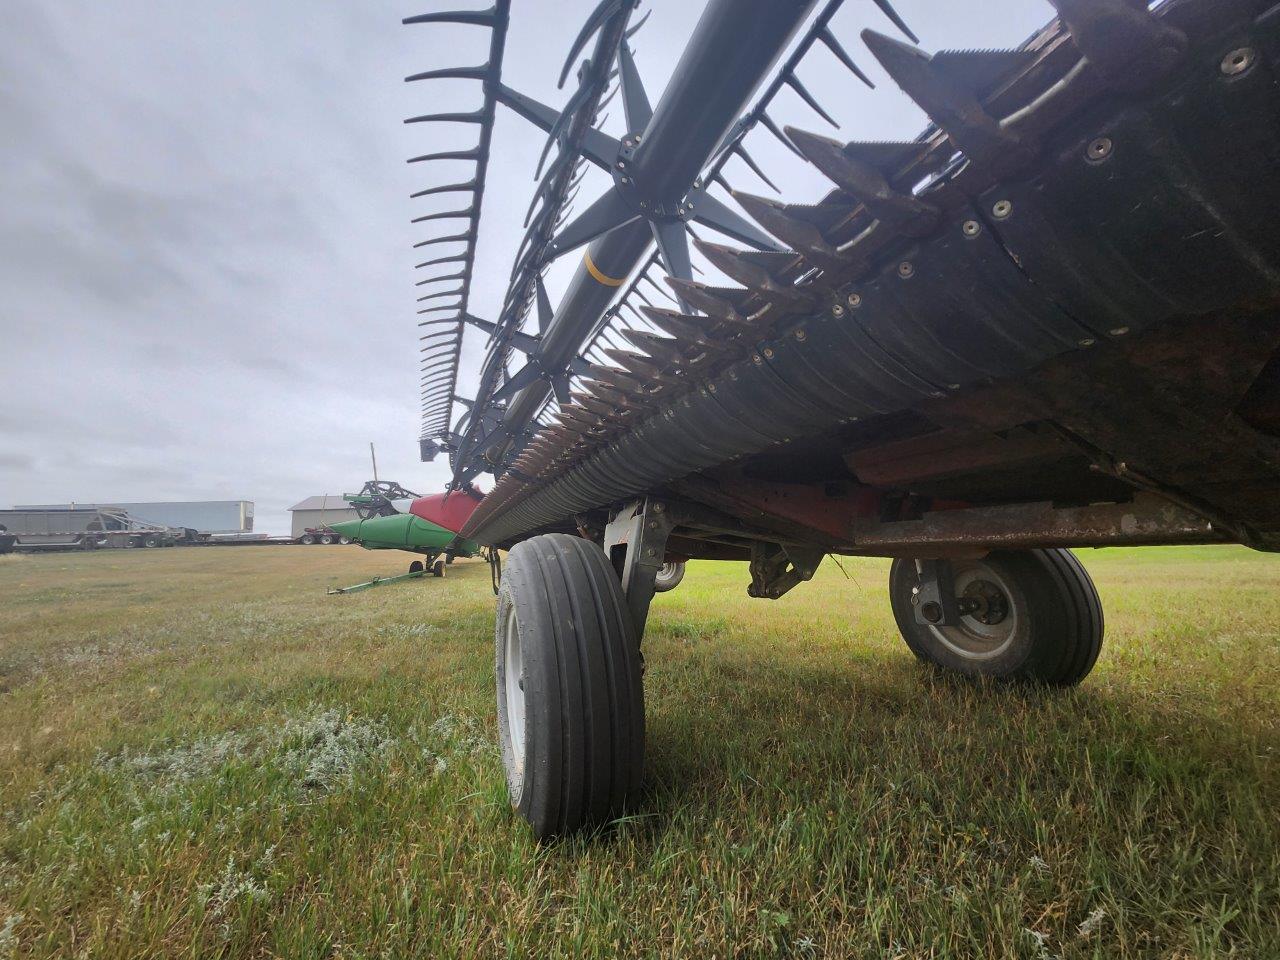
(1050, 321)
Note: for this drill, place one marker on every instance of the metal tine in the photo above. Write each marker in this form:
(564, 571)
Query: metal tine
(978, 71)
(1125, 40)
(456, 276)
(468, 187)
(466, 237)
(467, 214)
(904, 212)
(472, 154)
(712, 300)
(794, 83)
(475, 18)
(887, 9)
(800, 233)
(570, 109)
(665, 349)
(610, 394)
(619, 379)
(685, 327)
(440, 294)
(741, 151)
(635, 27)
(456, 258)
(478, 116)
(452, 73)
(767, 122)
(756, 278)
(641, 366)
(602, 12)
(952, 107)
(829, 40)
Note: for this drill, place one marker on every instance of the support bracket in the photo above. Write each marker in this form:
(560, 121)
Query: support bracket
(775, 568)
(636, 542)
(934, 601)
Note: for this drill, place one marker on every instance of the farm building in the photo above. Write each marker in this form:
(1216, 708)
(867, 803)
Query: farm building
(319, 511)
(203, 516)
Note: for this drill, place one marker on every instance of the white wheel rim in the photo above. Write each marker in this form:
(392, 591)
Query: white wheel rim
(971, 638)
(513, 674)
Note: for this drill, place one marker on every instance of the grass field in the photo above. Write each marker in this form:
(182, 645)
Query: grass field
(202, 754)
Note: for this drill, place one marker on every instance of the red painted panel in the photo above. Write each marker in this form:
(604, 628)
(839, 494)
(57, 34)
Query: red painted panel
(450, 511)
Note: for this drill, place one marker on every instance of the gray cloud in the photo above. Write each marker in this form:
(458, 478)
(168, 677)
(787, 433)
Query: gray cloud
(205, 263)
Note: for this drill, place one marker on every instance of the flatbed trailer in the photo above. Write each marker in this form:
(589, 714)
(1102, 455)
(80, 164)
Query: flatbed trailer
(83, 529)
(1052, 320)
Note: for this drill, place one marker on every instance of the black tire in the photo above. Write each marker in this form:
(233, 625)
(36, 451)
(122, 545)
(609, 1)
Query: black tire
(344, 540)
(437, 567)
(1051, 632)
(669, 576)
(306, 540)
(577, 753)
(129, 543)
(415, 566)
(151, 542)
(326, 539)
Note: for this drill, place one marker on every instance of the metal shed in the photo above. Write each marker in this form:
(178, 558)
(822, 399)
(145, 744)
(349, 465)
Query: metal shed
(320, 511)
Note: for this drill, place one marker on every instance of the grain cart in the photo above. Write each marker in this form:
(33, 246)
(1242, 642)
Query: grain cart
(1048, 321)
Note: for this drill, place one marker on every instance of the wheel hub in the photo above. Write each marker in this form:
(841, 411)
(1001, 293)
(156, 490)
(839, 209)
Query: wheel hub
(989, 613)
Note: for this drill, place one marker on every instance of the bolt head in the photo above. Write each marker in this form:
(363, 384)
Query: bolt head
(906, 269)
(854, 300)
(837, 310)
(1001, 209)
(768, 353)
(1118, 331)
(971, 228)
(1098, 149)
(1238, 62)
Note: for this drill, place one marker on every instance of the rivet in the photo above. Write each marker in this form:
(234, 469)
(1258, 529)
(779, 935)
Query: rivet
(905, 269)
(711, 387)
(1087, 342)
(768, 353)
(622, 164)
(953, 386)
(1237, 61)
(1002, 209)
(971, 228)
(855, 300)
(626, 179)
(755, 358)
(1118, 331)
(837, 310)
(800, 334)
(1098, 149)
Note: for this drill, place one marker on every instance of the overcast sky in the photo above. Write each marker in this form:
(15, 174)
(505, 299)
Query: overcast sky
(206, 273)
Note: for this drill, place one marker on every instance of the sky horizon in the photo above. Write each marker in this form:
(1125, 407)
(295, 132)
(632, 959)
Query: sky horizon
(208, 267)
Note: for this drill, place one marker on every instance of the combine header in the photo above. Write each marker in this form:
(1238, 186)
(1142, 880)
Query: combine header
(1048, 321)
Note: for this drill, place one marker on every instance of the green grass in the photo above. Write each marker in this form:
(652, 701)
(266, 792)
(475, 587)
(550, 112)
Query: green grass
(202, 754)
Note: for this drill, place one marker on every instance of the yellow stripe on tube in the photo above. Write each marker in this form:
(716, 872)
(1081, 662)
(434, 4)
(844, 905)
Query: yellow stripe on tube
(600, 277)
